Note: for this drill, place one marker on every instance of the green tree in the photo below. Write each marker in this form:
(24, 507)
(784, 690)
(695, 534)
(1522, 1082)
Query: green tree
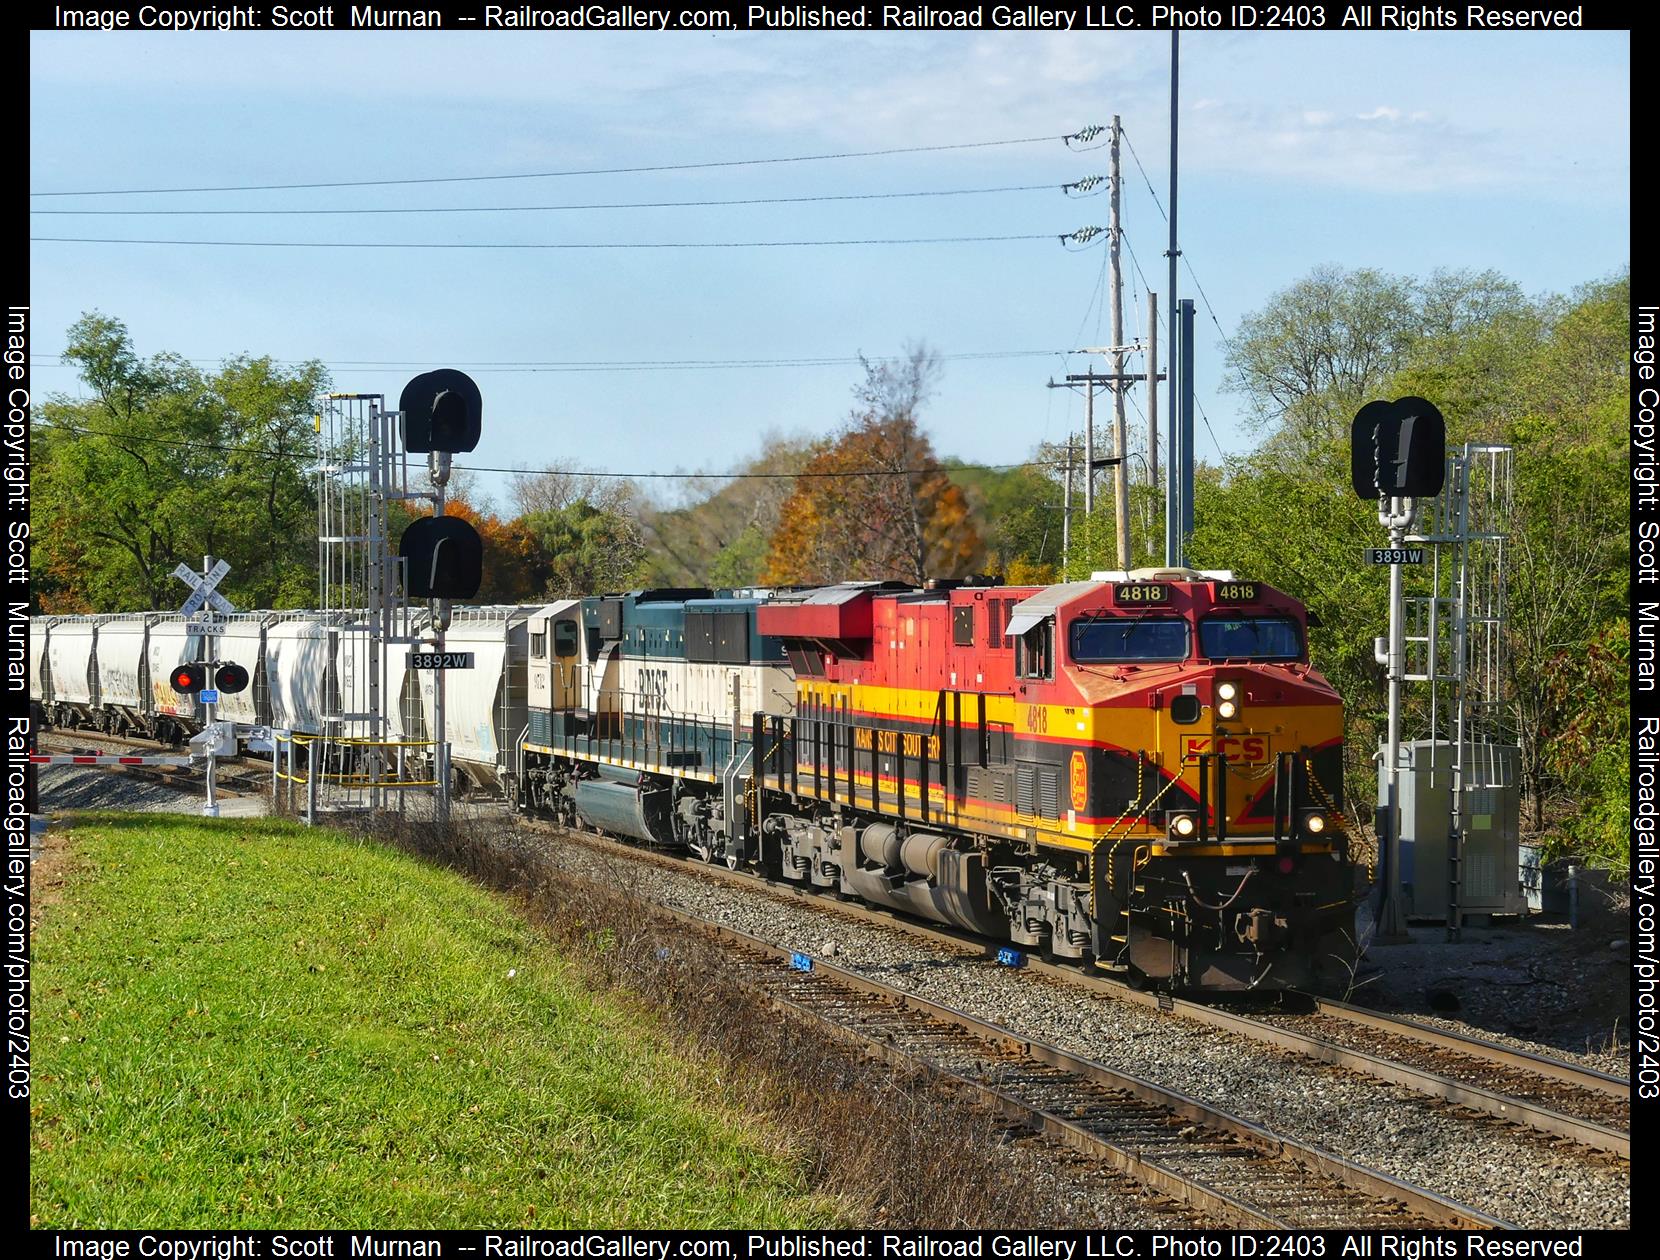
(718, 535)
(582, 549)
(1018, 513)
(1319, 349)
(164, 463)
(1547, 377)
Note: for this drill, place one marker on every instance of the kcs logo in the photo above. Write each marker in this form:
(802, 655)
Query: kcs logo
(1080, 782)
(1240, 750)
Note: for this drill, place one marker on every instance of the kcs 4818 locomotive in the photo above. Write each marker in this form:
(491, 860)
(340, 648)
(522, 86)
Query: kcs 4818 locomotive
(1143, 771)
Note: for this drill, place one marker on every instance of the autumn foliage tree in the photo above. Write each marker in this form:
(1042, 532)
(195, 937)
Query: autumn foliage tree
(873, 502)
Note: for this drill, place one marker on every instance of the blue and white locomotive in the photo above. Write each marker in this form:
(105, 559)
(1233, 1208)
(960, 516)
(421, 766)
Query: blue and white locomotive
(642, 712)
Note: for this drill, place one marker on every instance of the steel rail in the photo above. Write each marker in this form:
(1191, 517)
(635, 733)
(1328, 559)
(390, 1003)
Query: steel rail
(1445, 1039)
(1433, 1207)
(1585, 1132)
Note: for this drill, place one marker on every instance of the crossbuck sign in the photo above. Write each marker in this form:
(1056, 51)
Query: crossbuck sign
(202, 589)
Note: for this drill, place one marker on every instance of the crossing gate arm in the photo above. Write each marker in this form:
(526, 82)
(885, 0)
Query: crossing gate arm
(43, 759)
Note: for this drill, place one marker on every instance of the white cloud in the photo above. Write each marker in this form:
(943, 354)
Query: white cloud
(1266, 108)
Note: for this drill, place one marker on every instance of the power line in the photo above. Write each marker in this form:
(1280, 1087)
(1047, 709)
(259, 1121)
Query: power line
(1186, 262)
(1136, 157)
(909, 240)
(611, 170)
(598, 205)
(615, 365)
(184, 444)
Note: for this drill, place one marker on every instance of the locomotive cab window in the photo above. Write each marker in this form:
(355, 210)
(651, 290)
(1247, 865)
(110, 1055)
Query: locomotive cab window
(1250, 639)
(1034, 650)
(1127, 640)
(539, 645)
(564, 638)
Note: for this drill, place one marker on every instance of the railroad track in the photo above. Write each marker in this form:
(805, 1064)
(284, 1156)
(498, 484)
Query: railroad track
(1575, 1104)
(1568, 1102)
(1228, 1169)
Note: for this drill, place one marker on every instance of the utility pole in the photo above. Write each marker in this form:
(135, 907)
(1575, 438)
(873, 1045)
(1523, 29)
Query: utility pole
(1090, 380)
(1089, 446)
(1152, 389)
(1066, 513)
(1173, 451)
(1121, 474)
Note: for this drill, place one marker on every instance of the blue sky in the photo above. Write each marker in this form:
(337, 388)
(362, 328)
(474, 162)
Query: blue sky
(1401, 151)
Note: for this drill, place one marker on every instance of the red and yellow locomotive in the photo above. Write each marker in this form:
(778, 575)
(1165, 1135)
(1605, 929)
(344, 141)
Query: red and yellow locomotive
(1143, 771)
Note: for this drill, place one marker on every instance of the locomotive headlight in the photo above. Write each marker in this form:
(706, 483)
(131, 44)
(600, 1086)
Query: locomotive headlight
(1227, 708)
(1226, 691)
(1183, 827)
(1314, 823)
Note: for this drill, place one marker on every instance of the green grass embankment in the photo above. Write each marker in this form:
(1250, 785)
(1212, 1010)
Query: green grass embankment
(248, 1023)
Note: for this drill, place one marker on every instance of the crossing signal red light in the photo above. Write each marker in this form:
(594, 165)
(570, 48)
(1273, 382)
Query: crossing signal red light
(442, 411)
(188, 679)
(230, 678)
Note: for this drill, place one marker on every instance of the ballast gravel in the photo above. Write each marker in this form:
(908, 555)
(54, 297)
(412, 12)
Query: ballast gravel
(98, 787)
(1508, 1172)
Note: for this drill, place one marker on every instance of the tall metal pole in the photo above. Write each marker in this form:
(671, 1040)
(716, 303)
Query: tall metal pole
(1121, 472)
(1089, 446)
(1172, 500)
(1395, 515)
(440, 467)
(1185, 314)
(211, 809)
(1152, 389)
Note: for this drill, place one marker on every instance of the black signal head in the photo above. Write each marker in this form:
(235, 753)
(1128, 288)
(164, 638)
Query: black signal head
(442, 411)
(1398, 449)
(446, 558)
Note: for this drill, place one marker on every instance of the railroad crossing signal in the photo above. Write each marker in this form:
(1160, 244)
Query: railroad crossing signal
(202, 589)
(191, 678)
(188, 679)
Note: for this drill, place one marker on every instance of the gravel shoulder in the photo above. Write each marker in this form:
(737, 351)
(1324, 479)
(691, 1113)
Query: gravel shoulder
(1510, 1173)
(1533, 983)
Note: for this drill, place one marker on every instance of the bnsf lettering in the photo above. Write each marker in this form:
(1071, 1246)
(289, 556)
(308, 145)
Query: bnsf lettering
(1240, 750)
(654, 688)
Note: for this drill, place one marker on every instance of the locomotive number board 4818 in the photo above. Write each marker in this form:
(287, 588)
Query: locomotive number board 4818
(1137, 594)
(440, 660)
